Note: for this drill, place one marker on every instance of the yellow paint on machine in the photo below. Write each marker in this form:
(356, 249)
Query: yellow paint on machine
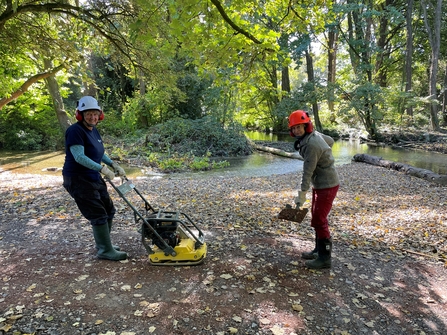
(187, 254)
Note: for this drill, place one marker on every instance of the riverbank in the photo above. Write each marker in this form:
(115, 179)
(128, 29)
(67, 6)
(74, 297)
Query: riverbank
(388, 275)
(417, 140)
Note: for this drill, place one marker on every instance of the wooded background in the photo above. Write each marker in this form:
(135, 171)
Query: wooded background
(370, 65)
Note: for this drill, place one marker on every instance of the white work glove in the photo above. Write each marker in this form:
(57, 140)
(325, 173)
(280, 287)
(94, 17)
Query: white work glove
(109, 174)
(300, 199)
(118, 170)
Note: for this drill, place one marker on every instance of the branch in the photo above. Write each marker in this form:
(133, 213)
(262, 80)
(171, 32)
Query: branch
(234, 25)
(10, 13)
(79, 13)
(28, 83)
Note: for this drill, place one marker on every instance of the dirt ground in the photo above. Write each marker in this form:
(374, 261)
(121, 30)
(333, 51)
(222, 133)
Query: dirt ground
(388, 276)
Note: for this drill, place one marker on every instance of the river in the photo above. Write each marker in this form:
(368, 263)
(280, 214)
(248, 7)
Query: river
(258, 164)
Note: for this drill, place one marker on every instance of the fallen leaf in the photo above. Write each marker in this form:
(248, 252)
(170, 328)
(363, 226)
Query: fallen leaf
(226, 276)
(297, 308)
(277, 330)
(370, 324)
(32, 287)
(237, 318)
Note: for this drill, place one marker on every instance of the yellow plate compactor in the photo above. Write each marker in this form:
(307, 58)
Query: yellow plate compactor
(171, 238)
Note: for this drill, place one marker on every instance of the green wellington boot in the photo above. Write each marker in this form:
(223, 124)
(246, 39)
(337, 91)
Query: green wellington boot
(105, 249)
(323, 260)
(311, 254)
(110, 224)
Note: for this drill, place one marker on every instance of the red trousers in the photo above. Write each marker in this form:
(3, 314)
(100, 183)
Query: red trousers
(322, 200)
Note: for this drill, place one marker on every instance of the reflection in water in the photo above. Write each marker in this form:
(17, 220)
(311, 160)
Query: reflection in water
(258, 164)
(344, 151)
(31, 161)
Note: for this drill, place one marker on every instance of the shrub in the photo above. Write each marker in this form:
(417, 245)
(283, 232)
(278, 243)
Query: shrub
(22, 140)
(199, 137)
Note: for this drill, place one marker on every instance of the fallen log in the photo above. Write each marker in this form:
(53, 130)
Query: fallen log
(278, 152)
(405, 168)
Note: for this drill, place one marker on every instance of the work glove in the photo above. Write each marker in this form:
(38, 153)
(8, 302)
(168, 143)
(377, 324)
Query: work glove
(118, 170)
(300, 199)
(108, 174)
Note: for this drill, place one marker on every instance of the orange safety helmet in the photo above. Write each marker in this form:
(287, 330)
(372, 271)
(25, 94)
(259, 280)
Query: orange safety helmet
(300, 117)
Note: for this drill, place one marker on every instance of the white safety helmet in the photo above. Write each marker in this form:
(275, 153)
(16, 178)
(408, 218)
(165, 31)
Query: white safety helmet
(86, 103)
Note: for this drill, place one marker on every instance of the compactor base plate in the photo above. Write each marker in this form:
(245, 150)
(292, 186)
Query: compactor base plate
(187, 254)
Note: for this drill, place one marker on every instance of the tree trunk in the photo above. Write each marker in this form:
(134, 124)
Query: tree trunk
(143, 119)
(444, 100)
(278, 152)
(285, 79)
(58, 103)
(409, 56)
(434, 37)
(383, 46)
(407, 169)
(311, 79)
(89, 86)
(331, 71)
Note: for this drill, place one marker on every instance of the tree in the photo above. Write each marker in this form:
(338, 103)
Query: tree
(332, 45)
(409, 56)
(56, 29)
(24, 87)
(433, 27)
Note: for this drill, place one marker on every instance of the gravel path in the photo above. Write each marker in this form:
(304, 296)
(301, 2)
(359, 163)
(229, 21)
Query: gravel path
(388, 277)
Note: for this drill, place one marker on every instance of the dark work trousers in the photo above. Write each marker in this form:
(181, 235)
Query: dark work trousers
(92, 198)
(322, 200)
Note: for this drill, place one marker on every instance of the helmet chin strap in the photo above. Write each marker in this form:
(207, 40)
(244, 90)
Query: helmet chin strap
(89, 124)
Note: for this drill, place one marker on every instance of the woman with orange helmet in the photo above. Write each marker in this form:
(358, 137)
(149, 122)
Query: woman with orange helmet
(318, 170)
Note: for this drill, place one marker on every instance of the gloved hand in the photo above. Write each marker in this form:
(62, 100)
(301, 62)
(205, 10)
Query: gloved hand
(118, 170)
(109, 174)
(300, 199)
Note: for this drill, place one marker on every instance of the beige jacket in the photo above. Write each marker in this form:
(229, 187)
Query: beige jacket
(318, 167)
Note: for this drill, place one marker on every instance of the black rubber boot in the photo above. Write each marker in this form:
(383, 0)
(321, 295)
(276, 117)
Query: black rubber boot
(323, 260)
(105, 249)
(110, 224)
(311, 254)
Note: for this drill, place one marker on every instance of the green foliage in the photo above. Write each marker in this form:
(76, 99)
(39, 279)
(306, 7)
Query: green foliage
(199, 137)
(182, 144)
(282, 110)
(16, 139)
(113, 81)
(192, 87)
(29, 124)
(116, 125)
(189, 62)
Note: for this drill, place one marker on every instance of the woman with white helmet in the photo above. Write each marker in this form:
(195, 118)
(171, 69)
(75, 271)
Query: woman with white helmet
(82, 175)
(318, 170)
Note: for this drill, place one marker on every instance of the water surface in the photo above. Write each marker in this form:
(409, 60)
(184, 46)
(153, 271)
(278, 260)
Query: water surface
(258, 164)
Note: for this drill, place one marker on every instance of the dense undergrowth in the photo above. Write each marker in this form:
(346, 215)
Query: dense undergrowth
(182, 144)
(195, 145)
